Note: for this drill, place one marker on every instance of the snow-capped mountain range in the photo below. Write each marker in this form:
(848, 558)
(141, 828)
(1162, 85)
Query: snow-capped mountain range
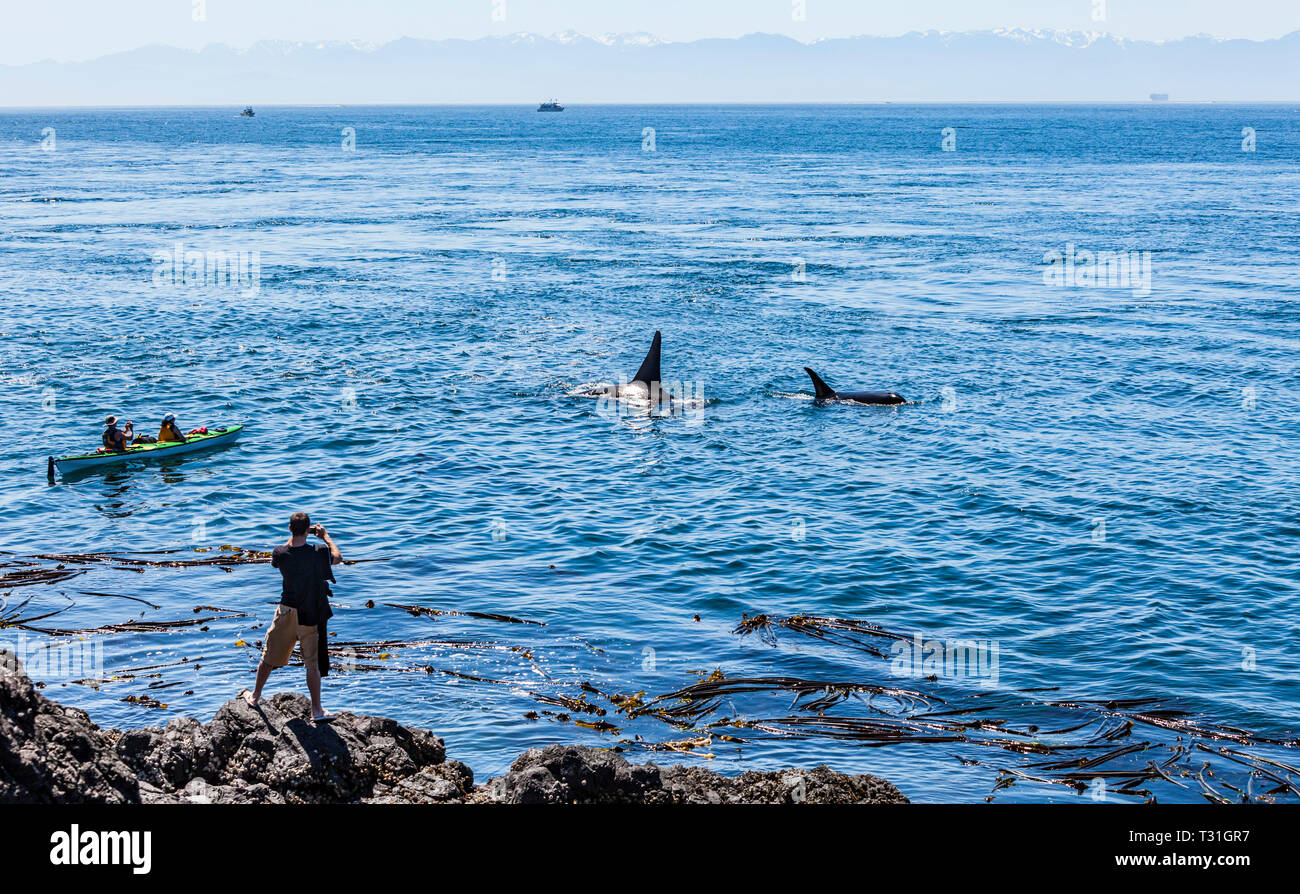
(932, 66)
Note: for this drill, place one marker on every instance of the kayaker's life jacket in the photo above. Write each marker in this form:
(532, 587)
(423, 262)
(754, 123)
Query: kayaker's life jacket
(170, 433)
(113, 438)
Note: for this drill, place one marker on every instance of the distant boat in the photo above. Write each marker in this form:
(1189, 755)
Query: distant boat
(248, 112)
(1160, 97)
(551, 106)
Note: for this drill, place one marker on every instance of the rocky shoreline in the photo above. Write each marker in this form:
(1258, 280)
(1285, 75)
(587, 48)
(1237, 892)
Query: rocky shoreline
(274, 754)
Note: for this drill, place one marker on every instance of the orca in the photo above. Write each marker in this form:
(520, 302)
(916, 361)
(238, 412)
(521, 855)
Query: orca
(644, 385)
(826, 393)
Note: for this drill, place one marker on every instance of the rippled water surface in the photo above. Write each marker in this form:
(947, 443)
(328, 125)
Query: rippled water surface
(1097, 484)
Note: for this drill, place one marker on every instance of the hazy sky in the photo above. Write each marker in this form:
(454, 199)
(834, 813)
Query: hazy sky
(84, 29)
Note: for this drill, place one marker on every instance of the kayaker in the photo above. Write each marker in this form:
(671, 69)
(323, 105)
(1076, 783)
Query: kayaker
(117, 439)
(306, 571)
(169, 433)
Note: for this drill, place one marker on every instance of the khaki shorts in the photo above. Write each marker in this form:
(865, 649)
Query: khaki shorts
(284, 633)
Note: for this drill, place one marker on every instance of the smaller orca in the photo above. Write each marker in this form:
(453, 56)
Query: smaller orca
(875, 398)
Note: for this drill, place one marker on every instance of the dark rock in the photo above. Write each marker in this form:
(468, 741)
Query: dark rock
(52, 754)
(200, 791)
(533, 785)
(445, 783)
(273, 753)
(169, 757)
(276, 745)
(820, 785)
(561, 774)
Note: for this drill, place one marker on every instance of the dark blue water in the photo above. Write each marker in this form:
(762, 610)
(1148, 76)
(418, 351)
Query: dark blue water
(1100, 481)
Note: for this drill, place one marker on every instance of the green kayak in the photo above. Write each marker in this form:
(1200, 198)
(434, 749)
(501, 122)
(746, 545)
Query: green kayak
(226, 434)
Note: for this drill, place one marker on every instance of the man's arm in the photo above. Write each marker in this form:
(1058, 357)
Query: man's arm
(336, 557)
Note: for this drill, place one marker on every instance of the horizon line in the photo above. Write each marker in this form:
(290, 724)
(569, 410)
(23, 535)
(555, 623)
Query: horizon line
(571, 104)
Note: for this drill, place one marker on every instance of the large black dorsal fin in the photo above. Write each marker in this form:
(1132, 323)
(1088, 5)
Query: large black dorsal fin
(649, 371)
(824, 391)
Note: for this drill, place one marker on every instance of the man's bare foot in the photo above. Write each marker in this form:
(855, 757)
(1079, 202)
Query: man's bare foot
(323, 717)
(250, 698)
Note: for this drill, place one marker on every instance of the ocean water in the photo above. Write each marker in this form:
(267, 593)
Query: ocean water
(1096, 484)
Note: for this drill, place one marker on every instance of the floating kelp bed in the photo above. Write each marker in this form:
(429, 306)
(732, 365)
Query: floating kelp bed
(13, 615)
(224, 556)
(858, 635)
(27, 577)
(421, 611)
(1127, 747)
(131, 626)
(52, 569)
(75, 653)
(151, 671)
(1132, 749)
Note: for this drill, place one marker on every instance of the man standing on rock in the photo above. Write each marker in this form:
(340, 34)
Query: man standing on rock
(306, 571)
